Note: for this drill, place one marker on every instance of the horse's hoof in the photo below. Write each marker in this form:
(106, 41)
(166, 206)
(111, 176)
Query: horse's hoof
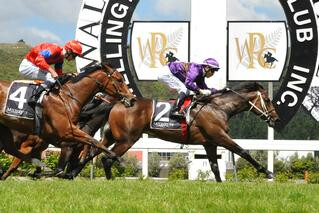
(60, 174)
(34, 175)
(270, 175)
(68, 176)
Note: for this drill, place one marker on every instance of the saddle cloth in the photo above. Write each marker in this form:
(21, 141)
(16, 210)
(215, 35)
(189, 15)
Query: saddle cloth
(161, 118)
(17, 99)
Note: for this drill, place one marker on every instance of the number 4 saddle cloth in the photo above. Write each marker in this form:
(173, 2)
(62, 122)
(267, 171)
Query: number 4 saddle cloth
(17, 100)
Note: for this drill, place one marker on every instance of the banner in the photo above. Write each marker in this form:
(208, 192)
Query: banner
(152, 41)
(257, 51)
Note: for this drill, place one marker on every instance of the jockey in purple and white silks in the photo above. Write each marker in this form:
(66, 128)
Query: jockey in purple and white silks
(186, 77)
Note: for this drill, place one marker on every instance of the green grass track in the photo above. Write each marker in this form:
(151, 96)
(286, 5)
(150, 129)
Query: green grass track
(155, 196)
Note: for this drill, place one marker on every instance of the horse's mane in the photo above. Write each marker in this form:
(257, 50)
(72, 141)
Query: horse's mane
(249, 87)
(86, 71)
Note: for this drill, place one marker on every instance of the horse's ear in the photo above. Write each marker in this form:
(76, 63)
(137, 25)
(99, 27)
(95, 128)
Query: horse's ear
(258, 86)
(106, 65)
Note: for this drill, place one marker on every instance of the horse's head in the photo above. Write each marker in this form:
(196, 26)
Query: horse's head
(117, 87)
(261, 105)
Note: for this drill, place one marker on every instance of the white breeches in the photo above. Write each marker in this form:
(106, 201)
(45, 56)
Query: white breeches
(171, 81)
(30, 71)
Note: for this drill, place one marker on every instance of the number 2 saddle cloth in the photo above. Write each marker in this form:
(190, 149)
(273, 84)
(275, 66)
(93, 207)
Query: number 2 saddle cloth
(19, 93)
(161, 118)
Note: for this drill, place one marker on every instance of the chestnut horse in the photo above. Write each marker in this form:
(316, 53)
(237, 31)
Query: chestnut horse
(92, 117)
(208, 124)
(61, 109)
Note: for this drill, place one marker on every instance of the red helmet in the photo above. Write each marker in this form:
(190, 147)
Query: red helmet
(74, 46)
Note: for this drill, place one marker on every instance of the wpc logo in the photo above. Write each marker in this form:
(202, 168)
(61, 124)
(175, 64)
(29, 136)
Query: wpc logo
(152, 41)
(257, 50)
(152, 51)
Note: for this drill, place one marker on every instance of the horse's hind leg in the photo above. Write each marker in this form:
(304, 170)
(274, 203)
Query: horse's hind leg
(64, 159)
(211, 151)
(8, 144)
(13, 166)
(229, 144)
(77, 135)
(106, 141)
(27, 147)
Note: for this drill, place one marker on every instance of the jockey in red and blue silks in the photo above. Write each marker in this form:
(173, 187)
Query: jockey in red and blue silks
(36, 64)
(192, 76)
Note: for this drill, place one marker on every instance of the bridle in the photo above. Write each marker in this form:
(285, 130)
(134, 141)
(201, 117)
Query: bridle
(102, 87)
(264, 112)
(114, 82)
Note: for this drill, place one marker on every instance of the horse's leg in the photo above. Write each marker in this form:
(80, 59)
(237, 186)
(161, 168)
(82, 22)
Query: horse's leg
(8, 144)
(84, 153)
(64, 158)
(106, 141)
(1, 149)
(225, 141)
(74, 163)
(77, 135)
(119, 149)
(211, 151)
(13, 166)
(25, 148)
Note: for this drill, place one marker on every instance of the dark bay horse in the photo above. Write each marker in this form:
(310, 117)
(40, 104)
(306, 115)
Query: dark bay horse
(208, 124)
(61, 109)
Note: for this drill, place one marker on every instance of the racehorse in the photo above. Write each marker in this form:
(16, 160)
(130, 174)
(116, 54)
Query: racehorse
(61, 109)
(92, 117)
(208, 125)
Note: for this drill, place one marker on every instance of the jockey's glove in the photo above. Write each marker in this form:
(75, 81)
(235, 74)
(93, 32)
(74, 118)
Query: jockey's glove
(205, 92)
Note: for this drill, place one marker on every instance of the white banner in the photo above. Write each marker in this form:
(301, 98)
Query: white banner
(151, 41)
(257, 51)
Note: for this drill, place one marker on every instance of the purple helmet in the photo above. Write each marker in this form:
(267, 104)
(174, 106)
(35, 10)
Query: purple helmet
(211, 62)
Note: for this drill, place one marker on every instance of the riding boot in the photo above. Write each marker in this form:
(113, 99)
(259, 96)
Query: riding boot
(34, 98)
(179, 102)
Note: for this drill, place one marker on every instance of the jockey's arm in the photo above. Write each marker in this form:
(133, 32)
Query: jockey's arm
(202, 85)
(58, 68)
(53, 72)
(43, 65)
(192, 75)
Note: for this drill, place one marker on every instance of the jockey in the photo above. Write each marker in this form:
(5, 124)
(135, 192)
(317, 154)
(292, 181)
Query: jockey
(36, 64)
(186, 77)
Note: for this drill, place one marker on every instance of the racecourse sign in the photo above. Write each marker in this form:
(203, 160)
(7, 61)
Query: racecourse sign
(302, 22)
(103, 27)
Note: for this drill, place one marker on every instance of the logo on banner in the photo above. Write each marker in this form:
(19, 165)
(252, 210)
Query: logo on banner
(152, 41)
(257, 50)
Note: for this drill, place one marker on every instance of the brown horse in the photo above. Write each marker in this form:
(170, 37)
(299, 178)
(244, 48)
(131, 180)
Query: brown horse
(92, 117)
(208, 124)
(61, 109)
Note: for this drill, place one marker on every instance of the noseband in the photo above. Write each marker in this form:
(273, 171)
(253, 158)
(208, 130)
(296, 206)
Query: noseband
(263, 111)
